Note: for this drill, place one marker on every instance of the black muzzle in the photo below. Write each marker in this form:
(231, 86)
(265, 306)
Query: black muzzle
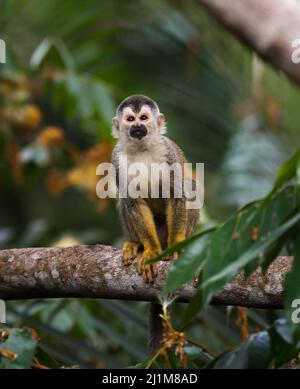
(138, 132)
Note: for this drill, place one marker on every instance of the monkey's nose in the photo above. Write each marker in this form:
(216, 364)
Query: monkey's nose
(138, 132)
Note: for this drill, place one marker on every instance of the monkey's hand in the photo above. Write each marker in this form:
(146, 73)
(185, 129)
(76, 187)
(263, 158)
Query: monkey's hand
(129, 251)
(149, 272)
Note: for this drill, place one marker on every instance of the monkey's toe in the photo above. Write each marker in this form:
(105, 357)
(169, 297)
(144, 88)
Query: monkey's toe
(129, 252)
(148, 272)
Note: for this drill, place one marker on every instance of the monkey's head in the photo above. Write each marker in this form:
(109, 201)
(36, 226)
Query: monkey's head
(137, 119)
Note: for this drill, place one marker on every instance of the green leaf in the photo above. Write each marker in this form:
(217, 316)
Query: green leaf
(196, 353)
(103, 101)
(77, 347)
(281, 343)
(40, 52)
(232, 246)
(192, 309)
(260, 350)
(23, 344)
(254, 353)
(88, 324)
(179, 246)
(283, 330)
(253, 252)
(126, 313)
(286, 172)
(46, 47)
(272, 253)
(292, 293)
(62, 321)
(188, 265)
(87, 98)
(45, 359)
(141, 365)
(79, 88)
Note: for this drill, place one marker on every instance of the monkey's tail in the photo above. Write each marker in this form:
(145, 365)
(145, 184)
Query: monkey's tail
(156, 327)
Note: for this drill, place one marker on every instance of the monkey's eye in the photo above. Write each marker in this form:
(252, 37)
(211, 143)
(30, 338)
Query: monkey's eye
(130, 118)
(144, 117)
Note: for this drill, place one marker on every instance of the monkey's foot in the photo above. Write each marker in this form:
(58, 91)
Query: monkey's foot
(171, 256)
(149, 272)
(129, 251)
(175, 255)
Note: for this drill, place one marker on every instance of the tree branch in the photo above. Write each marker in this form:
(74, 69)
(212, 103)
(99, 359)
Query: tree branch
(97, 271)
(268, 27)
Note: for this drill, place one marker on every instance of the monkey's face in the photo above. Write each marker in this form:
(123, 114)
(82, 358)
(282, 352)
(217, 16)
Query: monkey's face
(137, 126)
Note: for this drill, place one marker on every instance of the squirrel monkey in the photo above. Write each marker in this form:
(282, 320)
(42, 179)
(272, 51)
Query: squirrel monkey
(150, 224)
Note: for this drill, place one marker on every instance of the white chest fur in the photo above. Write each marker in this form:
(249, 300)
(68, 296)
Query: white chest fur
(143, 171)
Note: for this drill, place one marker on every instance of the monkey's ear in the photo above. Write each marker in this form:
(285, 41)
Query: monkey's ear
(115, 127)
(161, 123)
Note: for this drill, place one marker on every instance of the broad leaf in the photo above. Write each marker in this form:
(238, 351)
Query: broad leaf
(23, 344)
(188, 265)
(179, 246)
(286, 172)
(261, 350)
(292, 293)
(254, 353)
(55, 47)
(233, 245)
(193, 308)
(282, 346)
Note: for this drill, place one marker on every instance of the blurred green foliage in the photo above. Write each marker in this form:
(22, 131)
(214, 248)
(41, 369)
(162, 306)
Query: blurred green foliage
(68, 65)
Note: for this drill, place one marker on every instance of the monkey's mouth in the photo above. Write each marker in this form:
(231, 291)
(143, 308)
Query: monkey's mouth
(138, 132)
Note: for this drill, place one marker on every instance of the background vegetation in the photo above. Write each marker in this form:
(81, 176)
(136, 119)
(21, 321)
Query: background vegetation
(69, 64)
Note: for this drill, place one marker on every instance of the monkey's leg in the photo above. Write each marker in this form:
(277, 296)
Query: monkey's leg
(142, 218)
(131, 245)
(193, 220)
(192, 214)
(177, 218)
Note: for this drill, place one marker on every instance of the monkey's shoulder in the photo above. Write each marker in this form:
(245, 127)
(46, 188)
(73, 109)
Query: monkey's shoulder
(115, 152)
(175, 154)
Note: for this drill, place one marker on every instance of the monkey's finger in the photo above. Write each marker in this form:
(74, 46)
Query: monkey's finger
(149, 274)
(146, 276)
(152, 273)
(140, 266)
(154, 270)
(126, 260)
(127, 257)
(130, 250)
